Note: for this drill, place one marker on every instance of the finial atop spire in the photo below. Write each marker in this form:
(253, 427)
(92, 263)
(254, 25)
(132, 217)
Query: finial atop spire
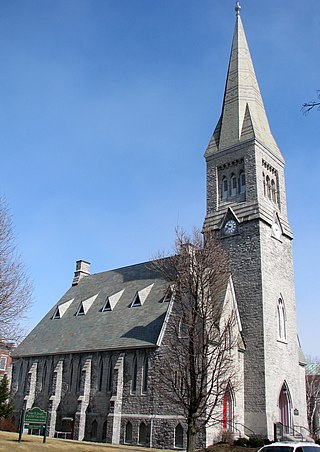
(238, 8)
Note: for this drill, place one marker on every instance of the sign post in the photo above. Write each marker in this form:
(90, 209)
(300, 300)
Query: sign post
(33, 418)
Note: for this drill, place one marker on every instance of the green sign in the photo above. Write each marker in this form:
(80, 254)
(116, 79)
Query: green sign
(35, 416)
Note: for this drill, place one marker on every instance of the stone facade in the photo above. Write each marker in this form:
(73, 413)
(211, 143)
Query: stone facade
(94, 361)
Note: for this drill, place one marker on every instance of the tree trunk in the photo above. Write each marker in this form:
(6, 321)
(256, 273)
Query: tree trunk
(191, 435)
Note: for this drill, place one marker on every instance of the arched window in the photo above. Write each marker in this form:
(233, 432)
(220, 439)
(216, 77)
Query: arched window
(227, 421)
(94, 429)
(110, 376)
(79, 375)
(70, 373)
(104, 431)
(268, 187)
(100, 373)
(224, 188)
(145, 371)
(20, 376)
(233, 181)
(242, 182)
(51, 376)
(273, 191)
(281, 320)
(178, 436)
(44, 375)
(134, 375)
(26, 379)
(285, 408)
(128, 433)
(264, 184)
(142, 434)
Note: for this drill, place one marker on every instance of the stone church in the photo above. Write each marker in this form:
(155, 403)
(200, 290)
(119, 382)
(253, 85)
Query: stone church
(93, 361)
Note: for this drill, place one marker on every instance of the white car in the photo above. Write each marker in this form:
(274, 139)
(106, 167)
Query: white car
(287, 446)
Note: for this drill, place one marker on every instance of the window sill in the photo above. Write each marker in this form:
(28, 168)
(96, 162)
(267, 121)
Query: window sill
(282, 341)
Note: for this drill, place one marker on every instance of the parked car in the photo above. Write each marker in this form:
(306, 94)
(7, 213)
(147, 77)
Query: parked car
(288, 446)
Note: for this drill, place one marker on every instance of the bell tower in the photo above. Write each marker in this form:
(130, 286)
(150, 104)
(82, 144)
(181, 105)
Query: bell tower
(246, 208)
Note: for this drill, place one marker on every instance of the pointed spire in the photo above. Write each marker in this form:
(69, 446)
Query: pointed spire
(243, 115)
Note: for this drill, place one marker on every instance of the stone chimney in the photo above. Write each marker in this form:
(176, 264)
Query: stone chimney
(82, 269)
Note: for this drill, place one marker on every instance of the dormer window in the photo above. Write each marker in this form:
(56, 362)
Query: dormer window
(111, 301)
(80, 310)
(107, 306)
(141, 296)
(136, 302)
(61, 309)
(85, 305)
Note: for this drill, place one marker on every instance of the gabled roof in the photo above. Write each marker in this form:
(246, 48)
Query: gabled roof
(123, 327)
(243, 114)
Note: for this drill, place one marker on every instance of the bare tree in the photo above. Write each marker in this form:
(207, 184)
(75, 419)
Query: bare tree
(15, 288)
(307, 106)
(198, 361)
(313, 394)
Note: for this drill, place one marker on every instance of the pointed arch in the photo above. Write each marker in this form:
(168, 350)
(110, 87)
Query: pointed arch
(100, 374)
(273, 191)
(105, 431)
(285, 405)
(145, 371)
(44, 375)
(242, 182)
(94, 429)
(128, 433)
(134, 375)
(79, 375)
(142, 434)
(178, 436)
(233, 185)
(228, 409)
(110, 375)
(268, 186)
(224, 189)
(281, 319)
(71, 373)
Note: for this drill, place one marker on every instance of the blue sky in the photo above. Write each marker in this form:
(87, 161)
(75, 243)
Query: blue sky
(106, 109)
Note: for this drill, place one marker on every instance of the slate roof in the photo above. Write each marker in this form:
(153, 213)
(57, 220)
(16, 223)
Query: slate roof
(123, 327)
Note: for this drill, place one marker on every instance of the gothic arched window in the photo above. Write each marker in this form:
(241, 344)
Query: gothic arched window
(242, 182)
(44, 375)
(100, 374)
(281, 320)
(110, 376)
(145, 371)
(268, 187)
(224, 188)
(128, 433)
(134, 375)
(233, 181)
(79, 375)
(94, 429)
(273, 191)
(178, 437)
(142, 434)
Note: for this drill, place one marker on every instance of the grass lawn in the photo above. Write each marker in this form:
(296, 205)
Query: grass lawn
(30, 443)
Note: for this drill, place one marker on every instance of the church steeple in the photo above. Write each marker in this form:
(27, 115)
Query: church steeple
(243, 115)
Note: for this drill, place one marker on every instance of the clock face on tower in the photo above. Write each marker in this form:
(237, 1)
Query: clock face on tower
(230, 227)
